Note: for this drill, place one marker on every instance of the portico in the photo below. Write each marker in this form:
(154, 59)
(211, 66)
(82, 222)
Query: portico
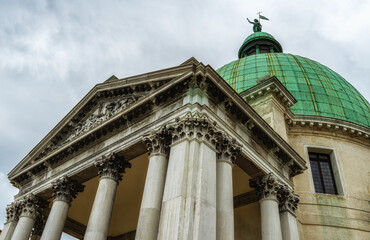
(168, 155)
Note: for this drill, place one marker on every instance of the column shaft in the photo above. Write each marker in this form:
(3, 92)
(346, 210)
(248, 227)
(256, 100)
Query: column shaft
(225, 204)
(55, 223)
(270, 220)
(189, 199)
(23, 229)
(289, 227)
(8, 230)
(152, 198)
(97, 227)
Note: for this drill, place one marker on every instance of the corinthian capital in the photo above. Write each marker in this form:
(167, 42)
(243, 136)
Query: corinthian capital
(158, 142)
(112, 166)
(266, 186)
(227, 148)
(31, 205)
(12, 212)
(66, 189)
(288, 201)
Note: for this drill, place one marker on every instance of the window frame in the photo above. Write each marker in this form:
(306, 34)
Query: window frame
(335, 167)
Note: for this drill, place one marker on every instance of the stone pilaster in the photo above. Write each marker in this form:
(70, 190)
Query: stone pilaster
(288, 203)
(227, 150)
(65, 190)
(267, 188)
(158, 144)
(111, 168)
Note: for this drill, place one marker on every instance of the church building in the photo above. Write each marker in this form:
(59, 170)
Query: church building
(271, 146)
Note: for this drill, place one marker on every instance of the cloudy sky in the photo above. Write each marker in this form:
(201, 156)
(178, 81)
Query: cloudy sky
(53, 52)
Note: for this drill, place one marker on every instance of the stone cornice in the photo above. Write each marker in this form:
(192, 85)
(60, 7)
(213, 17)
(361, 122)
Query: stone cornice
(327, 124)
(269, 85)
(66, 189)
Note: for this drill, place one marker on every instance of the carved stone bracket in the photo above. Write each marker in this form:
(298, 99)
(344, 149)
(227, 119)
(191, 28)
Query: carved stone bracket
(288, 201)
(227, 148)
(12, 212)
(266, 186)
(158, 142)
(112, 166)
(31, 205)
(66, 189)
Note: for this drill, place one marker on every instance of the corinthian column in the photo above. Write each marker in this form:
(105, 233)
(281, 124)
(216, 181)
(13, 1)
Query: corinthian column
(189, 198)
(158, 145)
(30, 208)
(227, 151)
(288, 202)
(111, 168)
(65, 190)
(267, 188)
(12, 216)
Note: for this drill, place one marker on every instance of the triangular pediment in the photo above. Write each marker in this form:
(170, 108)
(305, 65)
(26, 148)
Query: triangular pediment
(103, 103)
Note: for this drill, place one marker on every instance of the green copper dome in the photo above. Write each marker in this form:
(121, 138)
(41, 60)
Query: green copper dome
(319, 90)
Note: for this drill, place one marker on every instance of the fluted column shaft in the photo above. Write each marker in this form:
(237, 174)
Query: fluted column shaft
(288, 203)
(65, 189)
(267, 188)
(12, 216)
(158, 145)
(227, 151)
(29, 210)
(111, 167)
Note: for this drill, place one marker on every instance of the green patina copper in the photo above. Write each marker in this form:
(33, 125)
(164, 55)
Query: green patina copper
(256, 37)
(319, 90)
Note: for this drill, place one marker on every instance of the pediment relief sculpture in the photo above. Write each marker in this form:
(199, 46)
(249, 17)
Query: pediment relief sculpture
(103, 111)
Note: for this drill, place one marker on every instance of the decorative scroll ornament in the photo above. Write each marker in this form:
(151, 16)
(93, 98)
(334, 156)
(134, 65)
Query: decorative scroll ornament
(31, 205)
(66, 189)
(158, 142)
(227, 148)
(112, 166)
(288, 201)
(12, 212)
(196, 125)
(266, 186)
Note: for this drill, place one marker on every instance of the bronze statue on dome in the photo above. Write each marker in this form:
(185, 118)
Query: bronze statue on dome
(257, 27)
